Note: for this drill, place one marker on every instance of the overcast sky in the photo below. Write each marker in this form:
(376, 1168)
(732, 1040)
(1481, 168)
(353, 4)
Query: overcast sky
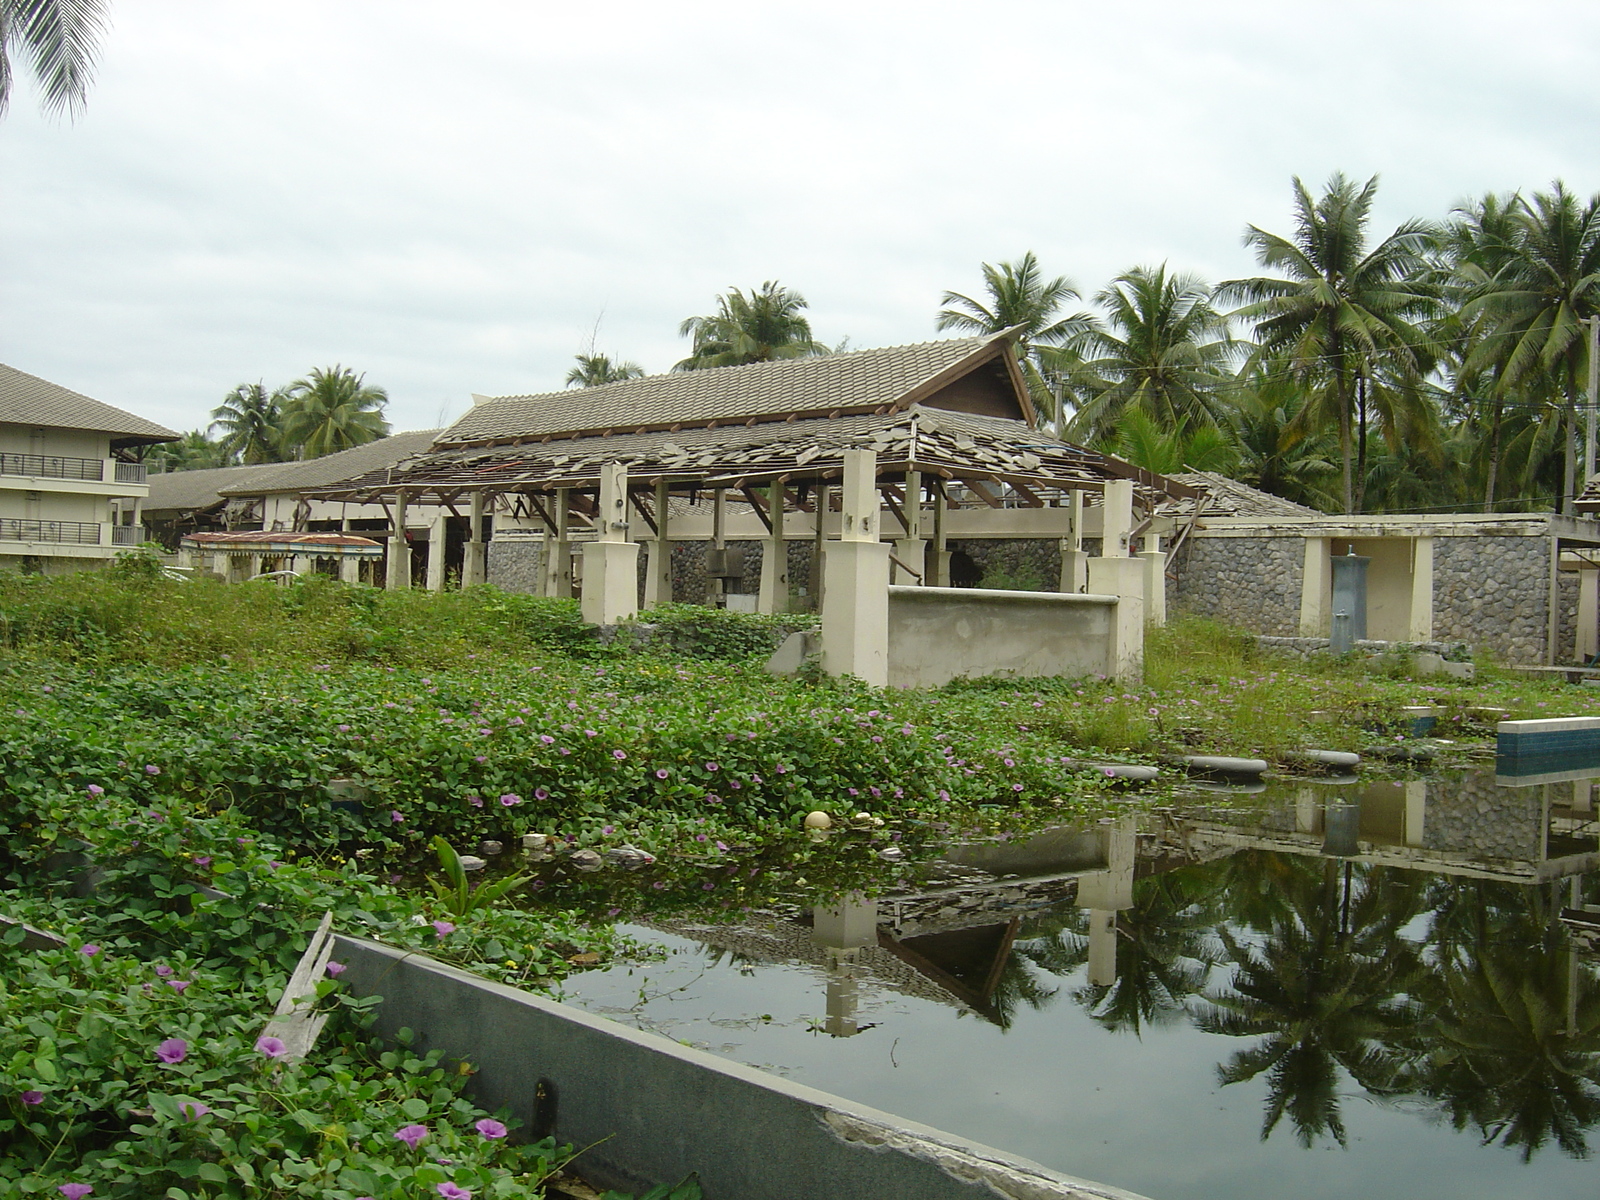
(451, 198)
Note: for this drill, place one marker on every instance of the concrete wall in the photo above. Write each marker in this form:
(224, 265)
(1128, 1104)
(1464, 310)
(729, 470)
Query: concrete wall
(651, 1111)
(1388, 586)
(940, 634)
(1253, 582)
(1492, 593)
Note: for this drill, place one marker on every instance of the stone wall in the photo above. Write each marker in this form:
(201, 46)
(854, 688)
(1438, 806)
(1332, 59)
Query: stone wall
(514, 565)
(1252, 582)
(1492, 593)
(1471, 814)
(1567, 617)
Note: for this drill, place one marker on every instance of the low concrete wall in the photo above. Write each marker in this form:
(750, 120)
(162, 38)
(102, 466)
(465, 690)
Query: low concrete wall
(940, 634)
(651, 1111)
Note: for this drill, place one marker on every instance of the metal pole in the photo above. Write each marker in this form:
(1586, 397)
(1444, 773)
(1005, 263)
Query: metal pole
(1594, 392)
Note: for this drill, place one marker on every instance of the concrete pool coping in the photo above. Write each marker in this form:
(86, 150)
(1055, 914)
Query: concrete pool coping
(651, 1110)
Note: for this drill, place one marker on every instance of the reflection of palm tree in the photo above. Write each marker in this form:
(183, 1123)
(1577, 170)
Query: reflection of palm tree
(1165, 951)
(1326, 988)
(1513, 1047)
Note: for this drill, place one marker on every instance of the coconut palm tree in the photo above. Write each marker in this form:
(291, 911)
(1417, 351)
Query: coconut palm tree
(1341, 311)
(193, 452)
(61, 38)
(1537, 301)
(332, 410)
(1021, 298)
(1276, 452)
(594, 370)
(1163, 350)
(1143, 441)
(248, 419)
(764, 325)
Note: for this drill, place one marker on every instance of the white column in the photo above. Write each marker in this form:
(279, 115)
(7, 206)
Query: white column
(1106, 892)
(938, 557)
(1116, 520)
(349, 568)
(911, 549)
(1124, 579)
(558, 563)
(1316, 588)
(1420, 626)
(1155, 586)
(855, 611)
(658, 566)
(1074, 562)
(774, 596)
(399, 552)
(1416, 811)
(438, 533)
(1588, 631)
(475, 554)
(611, 562)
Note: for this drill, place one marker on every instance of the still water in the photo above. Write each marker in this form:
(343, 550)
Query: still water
(1321, 992)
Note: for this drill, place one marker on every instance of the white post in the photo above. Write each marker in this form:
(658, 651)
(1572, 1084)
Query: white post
(658, 564)
(1074, 562)
(1155, 586)
(349, 569)
(939, 556)
(1124, 579)
(1316, 588)
(475, 557)
(855, 613)
(399, 550)
(911, 549)
(1588, 632)
(1116, 520)
(1416, 811)
(1106, 892)
(438, 538)
(1420, 626)
(774, 595)
(558, 563)
(611, 562)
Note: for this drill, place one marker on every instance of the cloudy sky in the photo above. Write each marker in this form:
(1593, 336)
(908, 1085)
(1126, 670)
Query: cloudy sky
(453, 199)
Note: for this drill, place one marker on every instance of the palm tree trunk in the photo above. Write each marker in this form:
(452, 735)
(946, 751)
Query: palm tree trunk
(1494, 455)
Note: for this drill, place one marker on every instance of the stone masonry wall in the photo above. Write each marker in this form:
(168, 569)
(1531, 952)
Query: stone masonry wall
(1492, 593)
(1252, 582)
(514, 565)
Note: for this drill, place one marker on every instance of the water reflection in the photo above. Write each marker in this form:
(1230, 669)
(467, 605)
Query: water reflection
(1403, 942)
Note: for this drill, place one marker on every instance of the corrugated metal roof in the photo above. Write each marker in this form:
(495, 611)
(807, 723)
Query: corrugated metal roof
(333, 468)
(28, 400)
(858, 381)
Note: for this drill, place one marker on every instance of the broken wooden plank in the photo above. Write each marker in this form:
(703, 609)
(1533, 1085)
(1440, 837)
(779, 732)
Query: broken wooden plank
(33, 939)
(295, 1022)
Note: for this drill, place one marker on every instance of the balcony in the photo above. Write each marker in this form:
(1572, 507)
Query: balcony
(75, 533)
(129, 535)
(56, 466)
(130, 472)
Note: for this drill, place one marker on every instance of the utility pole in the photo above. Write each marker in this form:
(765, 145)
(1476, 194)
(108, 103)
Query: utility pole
(1594, 399)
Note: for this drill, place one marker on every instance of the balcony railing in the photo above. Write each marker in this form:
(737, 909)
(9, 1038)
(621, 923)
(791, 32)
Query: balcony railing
(130, 472)
(56, 466)
(128, 535)
(79, 533)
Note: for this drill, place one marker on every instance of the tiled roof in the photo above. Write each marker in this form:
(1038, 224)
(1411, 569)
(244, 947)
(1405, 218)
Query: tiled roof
(190, 491)
(333, 468)
(1230, 498)
(28, 400)
(855, 382)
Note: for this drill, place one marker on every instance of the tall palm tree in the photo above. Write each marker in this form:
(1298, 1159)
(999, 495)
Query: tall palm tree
(193, 452)
(1021, 298)
(593, 370)
(1537, 301)
(1142, 440)
(61, 38)
(764, 325)
(1341, 311)
(1278, 453)
(332, 410)
(248, 418)
(1163, 350)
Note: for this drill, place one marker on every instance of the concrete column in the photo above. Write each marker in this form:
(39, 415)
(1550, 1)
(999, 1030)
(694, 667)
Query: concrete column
(1588, 631)
(1155, 586)
(438, 532)
(819, 504)
(1420, 626)
(1105, 893)
(1307, 812)
(1416, 811)
(774, 597)
(912, 549)
(938, 556)
(715, 585)
(558, 563)
(611, 562)
(475, 557)
(1316, 588)
(1116, 521)
(399, 575)
(855, 616)
(349, 569)
(1124, 579)
(658, 563)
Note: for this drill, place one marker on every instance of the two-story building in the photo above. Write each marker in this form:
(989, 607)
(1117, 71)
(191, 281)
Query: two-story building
(71, 483)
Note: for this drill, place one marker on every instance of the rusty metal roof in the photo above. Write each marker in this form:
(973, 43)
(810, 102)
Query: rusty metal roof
(245, 540)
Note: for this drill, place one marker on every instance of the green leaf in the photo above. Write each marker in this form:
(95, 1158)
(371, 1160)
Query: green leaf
(414, 1108)
(212, 1173)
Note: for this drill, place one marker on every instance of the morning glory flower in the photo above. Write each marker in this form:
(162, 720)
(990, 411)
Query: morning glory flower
(451, 1192)
(335, 969)
(442, 927)
(490, 1128)
(32, 1098)
(411, 1135)
(271, 1047)
(173, 1050)
(89, 950)
(193, 1110)
(74, 1191)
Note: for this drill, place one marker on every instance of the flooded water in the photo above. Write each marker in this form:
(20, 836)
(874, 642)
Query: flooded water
(1322, 991)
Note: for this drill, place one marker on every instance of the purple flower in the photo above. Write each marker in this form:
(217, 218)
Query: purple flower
(442, 927)
(342, 728)
(711, 766)
(202, 860)
(723, 846)
(397, 818)
(661, 772)
(173, 1050)
(89, 950)
(611, 912)
(608, 829)
(32, 1098)
(510, 799)
(335, 969)
(547, 739)
(618, 755)
(490, 1128)
(94, 789)
(178, 985)
(74, 1191)
(541, 793)
(451, 1192)
(475, 801)
(270, 1047)
(411, 1135)
(163, 970)
(1016, 787)
(193, 1110)
(152, 769)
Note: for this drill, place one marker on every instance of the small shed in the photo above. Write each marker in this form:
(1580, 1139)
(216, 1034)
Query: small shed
(245, 554)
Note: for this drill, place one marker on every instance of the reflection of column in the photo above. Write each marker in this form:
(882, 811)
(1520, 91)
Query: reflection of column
(1306, 810)
(1583, 795)
(1341, 830)
(1103, 893)
(842, 929)
(1416, 811)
